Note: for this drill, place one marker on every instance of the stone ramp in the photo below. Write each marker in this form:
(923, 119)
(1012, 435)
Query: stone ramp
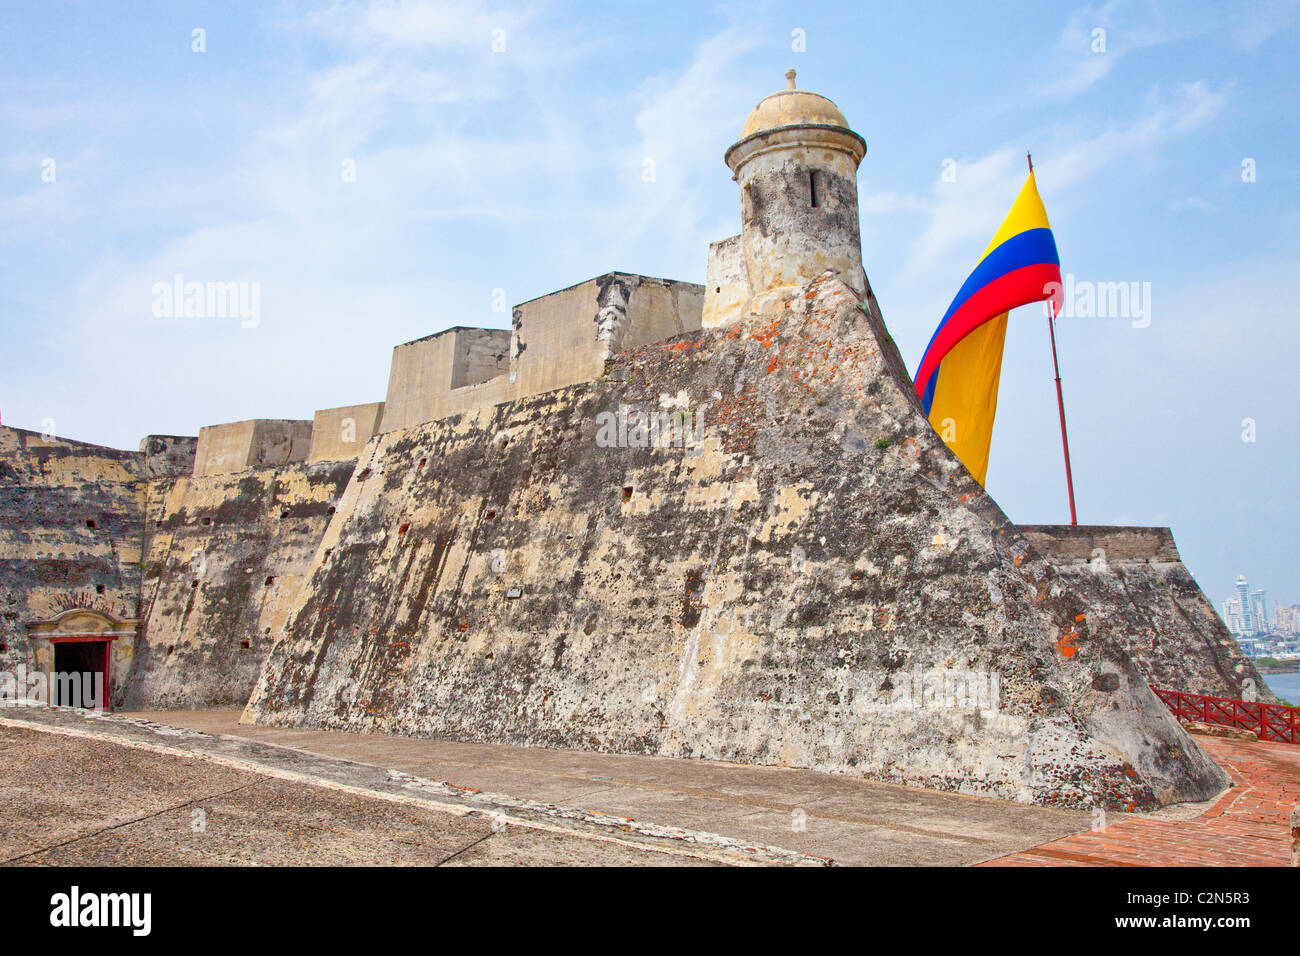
(79, 785)
(727, 812)
(92, 800)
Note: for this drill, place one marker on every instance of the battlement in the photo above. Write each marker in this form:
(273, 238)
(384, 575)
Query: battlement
(442, 374)
(1085, 544)
(556, 340)
(338, 434)
(255, 443)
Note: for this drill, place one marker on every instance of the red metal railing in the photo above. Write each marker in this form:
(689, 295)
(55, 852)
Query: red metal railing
(1267, 721)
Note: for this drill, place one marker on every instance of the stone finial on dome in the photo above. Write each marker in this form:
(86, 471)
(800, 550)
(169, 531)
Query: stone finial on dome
(789, 79)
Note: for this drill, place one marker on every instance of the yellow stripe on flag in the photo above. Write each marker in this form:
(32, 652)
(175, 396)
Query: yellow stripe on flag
(1027, 212)
(966, 395)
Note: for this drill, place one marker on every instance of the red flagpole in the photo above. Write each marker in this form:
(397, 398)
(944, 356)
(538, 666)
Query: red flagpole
(1060, 404)
(1060, 398)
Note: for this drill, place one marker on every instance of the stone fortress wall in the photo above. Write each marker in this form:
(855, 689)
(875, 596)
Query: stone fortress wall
(466, 557)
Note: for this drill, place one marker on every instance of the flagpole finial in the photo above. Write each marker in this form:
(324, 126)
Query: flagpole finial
(1030, 160)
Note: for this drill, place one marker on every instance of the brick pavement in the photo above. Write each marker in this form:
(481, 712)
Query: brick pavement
(1248, 825)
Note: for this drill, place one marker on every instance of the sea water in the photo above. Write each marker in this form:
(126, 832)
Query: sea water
(1286, 686)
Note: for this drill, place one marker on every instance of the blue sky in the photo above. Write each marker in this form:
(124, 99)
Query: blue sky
(521, 170)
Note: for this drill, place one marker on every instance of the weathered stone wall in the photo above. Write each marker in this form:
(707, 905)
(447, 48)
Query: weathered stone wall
(780, 591)
(1136, 579)
(481, 355)
(420, 370)
(70, 536)
(726, 283)
(224, 559)
(1099, 544)
(208, 564)
(554, 340)
(168, 456)
(656, 309)
(799, 215)
(223, 449)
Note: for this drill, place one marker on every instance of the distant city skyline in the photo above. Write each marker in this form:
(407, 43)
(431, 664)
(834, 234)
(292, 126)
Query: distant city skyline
(1260, 633)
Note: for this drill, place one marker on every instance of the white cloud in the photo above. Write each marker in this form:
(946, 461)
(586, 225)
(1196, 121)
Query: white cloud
(1197, 203)
(1083, 57)
(686, 118)
(1256, 23)
(969, 209)
(468, 177)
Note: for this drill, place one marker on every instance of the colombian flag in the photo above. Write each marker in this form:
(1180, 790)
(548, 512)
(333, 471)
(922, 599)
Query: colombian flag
(958, 377)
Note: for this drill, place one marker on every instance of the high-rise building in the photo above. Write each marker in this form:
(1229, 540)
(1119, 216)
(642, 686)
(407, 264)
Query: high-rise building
(1243, 602)
(1232, 616)
(1259, 611)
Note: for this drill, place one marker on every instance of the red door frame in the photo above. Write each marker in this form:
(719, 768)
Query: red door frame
(104, 640)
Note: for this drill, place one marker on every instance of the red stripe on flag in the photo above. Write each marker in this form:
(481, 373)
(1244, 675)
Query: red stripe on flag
(1020, 287)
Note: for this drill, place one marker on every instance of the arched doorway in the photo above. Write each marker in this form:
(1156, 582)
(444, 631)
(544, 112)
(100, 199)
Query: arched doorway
(75, 652)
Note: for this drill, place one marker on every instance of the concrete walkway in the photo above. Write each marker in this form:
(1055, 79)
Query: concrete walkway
(719, 812)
